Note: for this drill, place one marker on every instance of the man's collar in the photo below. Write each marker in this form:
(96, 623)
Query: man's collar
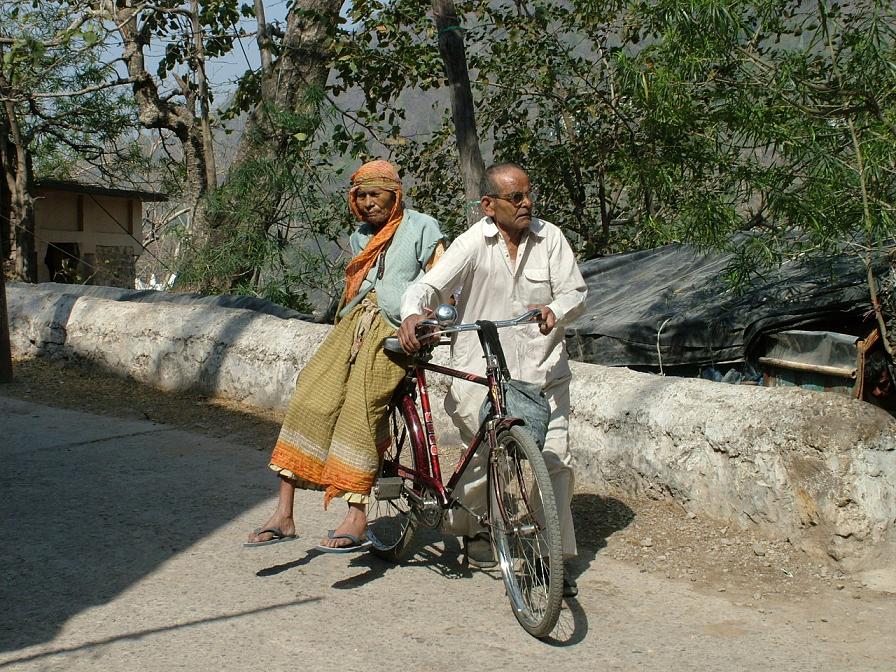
(490, 229)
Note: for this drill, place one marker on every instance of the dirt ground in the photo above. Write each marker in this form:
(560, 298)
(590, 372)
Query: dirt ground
(657, 537)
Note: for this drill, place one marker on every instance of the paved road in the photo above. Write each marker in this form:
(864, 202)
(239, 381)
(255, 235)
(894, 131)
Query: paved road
(122, 551)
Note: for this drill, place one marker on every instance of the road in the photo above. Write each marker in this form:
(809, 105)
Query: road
(122, 551)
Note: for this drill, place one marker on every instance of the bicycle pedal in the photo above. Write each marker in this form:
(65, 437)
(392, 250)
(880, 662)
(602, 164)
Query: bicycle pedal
(388, 488)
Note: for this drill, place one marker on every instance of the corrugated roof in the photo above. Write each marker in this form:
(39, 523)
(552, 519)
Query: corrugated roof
(98, 190)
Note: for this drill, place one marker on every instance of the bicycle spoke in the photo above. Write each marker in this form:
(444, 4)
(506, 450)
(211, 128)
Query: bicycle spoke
(391, 517)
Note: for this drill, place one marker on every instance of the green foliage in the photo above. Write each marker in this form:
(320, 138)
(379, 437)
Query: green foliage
(388, 51)
(170, 23)
(279, 222)
(56, 80)
(641, 122)
(644, 122)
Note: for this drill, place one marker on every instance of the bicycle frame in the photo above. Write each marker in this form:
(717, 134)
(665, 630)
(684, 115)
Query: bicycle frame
(525, 538)
(422, 436)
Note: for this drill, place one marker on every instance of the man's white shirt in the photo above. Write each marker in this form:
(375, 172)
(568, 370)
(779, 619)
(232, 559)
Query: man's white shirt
(493, 287)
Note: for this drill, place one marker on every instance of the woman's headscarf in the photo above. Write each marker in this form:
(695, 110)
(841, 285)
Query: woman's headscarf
(377, 174)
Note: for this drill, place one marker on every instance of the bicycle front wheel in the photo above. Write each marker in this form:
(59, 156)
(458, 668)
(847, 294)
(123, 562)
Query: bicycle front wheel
(526, 530)
(392, 521)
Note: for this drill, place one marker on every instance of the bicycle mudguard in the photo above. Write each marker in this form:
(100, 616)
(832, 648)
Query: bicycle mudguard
(508, 422)
(404, 402)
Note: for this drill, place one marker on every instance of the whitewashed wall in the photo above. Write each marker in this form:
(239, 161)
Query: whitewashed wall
(817, 469)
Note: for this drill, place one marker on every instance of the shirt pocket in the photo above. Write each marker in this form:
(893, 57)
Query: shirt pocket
(537, 286)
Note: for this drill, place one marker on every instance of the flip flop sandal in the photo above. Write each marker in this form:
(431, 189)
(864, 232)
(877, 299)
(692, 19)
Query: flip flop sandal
(278, 537)
(357, 544)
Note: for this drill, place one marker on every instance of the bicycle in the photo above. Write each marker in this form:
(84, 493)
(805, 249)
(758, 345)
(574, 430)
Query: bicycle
(521, 512)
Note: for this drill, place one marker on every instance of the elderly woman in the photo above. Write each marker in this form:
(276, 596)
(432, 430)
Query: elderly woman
(334, 431)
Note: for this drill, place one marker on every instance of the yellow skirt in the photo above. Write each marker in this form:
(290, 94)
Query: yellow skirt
(336, 427)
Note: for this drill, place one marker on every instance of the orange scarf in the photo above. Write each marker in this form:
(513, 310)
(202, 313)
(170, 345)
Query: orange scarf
(380, 174)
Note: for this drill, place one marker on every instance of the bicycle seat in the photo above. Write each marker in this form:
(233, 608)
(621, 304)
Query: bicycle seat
(392, 344)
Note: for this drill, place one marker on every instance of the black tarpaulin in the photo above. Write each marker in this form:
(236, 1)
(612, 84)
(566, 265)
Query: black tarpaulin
(676, 299)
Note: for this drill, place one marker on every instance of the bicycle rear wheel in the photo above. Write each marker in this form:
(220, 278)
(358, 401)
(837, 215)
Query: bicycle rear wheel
(526, 530)
(392, 521)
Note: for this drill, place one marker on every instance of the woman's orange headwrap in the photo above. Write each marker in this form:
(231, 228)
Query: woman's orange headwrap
(381, 175)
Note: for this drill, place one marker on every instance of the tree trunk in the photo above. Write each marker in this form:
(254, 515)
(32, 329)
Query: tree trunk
(211, 176)
(454, 57)
(5, 345)
(8, 178)
(263, 39)
(6, 151)
(23, 220)
(159, 113)
(303, 64)
(604, 213)
(17, 173)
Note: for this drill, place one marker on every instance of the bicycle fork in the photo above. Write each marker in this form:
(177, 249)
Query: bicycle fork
(499, 458)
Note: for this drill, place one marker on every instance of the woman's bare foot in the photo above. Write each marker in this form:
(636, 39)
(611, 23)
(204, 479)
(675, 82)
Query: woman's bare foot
(281, 520)
(274, 527)
(354, 524)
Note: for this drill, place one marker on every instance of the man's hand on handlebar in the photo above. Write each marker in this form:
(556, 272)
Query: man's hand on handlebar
(410, 340)
(413, 335)
(547, 321)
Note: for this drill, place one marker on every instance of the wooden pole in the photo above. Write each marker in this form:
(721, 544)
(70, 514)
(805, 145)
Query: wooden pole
(5, 345)
(812, 368)
(454, 57)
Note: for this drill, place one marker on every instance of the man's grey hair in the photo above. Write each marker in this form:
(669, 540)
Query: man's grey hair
(488, 184)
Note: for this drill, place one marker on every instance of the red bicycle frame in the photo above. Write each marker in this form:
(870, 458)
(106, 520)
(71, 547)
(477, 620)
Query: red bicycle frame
(422, 436)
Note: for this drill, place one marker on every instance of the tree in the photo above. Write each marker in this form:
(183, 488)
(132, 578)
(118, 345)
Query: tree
(176, 98)
(648, 122)
(463, 115)
(283, 104)
(397, 55)
(790, 107)
(236, 228)
(5, 345)
(640, 122)
(57, 103)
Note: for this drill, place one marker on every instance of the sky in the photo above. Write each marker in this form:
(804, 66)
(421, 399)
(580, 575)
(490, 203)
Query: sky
(223, 72)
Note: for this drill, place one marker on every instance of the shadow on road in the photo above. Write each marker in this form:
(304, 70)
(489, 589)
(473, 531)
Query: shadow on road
(446, 561)
(286, 566)
(138, 634)
(595, 519)
(571, 628)
(90, 508)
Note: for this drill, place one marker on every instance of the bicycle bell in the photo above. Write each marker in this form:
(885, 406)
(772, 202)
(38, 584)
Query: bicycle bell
(446, 315)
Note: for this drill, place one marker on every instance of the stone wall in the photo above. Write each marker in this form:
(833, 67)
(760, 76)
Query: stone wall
(238, 354)
(817, 469)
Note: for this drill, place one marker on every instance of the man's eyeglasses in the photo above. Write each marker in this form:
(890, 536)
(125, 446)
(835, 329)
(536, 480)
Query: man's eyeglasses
(516, 198)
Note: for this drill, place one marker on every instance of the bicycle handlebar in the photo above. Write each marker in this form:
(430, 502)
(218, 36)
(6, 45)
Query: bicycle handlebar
(529, 317)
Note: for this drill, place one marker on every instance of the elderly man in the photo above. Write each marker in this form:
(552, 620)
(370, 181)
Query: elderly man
(503, 265)
(334, 430)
